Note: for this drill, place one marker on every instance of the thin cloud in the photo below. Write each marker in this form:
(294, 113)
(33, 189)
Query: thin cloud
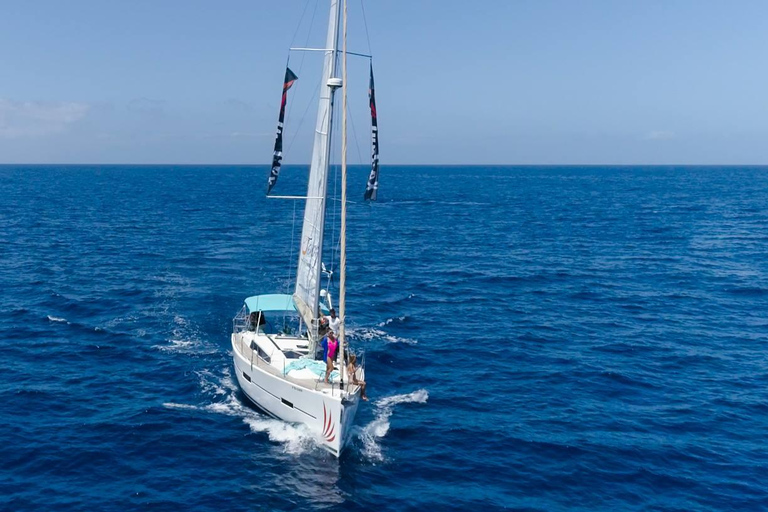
(148, 106)
(237, 105)
(36, 119)
(659, 135)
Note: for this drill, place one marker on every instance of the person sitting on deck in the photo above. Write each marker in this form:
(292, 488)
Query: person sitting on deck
(330, 346)
(352, 371)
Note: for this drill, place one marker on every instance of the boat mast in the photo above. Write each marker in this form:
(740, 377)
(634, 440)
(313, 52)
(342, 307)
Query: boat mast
(343, 239)
(308, 272)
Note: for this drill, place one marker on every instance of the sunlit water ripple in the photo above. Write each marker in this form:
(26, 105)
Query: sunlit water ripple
(537, 338)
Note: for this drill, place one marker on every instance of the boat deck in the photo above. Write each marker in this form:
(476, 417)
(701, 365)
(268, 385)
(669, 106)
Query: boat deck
(289, 346)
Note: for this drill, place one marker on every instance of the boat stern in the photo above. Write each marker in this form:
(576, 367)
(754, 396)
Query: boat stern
(338, 420)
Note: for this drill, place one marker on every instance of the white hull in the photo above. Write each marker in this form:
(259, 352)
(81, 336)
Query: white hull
(323, 410)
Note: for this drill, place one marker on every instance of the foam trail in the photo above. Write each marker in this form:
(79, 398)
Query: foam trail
(368, 334)
(378, 428)
(172, 405)
(185, 339)
(210, 384)
(295, 439)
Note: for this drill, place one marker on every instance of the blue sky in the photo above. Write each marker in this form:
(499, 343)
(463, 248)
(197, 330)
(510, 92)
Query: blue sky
(496, 82)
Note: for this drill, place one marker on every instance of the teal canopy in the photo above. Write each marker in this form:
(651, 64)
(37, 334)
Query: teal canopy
(272, 302)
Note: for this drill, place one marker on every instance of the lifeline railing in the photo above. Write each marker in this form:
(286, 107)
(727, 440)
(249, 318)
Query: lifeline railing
(257, 360)
(240, 322)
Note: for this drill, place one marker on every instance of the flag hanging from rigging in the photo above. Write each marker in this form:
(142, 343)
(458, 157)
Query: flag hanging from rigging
(277, 157)
(373, 178)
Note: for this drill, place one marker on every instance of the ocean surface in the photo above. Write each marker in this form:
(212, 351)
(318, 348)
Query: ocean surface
(537, 338)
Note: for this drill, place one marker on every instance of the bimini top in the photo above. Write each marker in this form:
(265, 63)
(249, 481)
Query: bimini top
(272, 302)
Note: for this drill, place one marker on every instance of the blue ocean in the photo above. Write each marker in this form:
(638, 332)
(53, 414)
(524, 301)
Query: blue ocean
(537, 338)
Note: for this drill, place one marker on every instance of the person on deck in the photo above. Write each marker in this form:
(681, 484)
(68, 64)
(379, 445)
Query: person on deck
(351, 370)
(322, 328)
(256, 320)
(330, 346)
(334, 322)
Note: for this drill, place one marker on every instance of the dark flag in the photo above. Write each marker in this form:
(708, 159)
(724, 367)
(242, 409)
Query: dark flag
(373, 178)
(290, 77)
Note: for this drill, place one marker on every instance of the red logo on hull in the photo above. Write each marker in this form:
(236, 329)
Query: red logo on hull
(328, 426)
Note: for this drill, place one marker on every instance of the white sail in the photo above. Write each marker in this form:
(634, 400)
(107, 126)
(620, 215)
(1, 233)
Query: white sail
(307, 292)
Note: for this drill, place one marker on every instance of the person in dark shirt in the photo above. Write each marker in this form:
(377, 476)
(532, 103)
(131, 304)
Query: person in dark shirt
(256, 320)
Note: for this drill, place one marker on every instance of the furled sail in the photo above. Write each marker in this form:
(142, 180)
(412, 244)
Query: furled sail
(277, 157)
(373, 178)
(307, 293)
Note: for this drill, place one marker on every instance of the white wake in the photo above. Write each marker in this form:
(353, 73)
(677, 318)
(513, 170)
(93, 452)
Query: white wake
(295, 439)
(186, 339)
(378, 428)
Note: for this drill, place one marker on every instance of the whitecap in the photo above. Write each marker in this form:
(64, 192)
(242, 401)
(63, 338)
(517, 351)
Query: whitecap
(390, 320)
(120, 320)
(369, 334)
(57, 319)
(176, 346)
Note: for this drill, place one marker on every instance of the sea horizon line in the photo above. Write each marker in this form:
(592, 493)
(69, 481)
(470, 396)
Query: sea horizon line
(126, 164)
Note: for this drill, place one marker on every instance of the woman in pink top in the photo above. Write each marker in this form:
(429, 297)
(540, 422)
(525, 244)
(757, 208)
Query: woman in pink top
(333, 346)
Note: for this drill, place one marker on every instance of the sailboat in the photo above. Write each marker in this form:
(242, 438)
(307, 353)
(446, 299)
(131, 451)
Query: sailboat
(275, 337)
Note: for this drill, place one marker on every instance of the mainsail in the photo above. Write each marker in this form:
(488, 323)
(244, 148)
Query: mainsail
(373, 178)
(307, 293)
(277, 157)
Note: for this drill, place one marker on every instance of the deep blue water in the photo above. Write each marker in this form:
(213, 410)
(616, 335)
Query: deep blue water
(561, 338)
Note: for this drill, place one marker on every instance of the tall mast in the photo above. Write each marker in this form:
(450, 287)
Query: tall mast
(308, 272)
(343, 240)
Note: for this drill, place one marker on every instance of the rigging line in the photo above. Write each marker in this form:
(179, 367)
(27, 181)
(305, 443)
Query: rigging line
(354, 135)
(290, 254)
(365, 23)
(335, 212)
(306, 4)
(309, 34)
(303, 117)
